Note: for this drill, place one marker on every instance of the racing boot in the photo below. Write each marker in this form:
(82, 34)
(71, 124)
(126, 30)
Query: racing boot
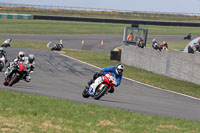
(28, 78)
(90, 82)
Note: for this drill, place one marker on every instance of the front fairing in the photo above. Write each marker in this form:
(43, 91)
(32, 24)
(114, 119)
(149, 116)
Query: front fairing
(110, 79)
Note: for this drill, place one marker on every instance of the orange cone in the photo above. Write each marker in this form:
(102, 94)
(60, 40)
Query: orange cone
(82, 42)
(101, 42)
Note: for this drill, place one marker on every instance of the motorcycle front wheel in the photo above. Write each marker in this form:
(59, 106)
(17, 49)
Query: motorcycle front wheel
(14, 79)
(5, 82)
(99, 93)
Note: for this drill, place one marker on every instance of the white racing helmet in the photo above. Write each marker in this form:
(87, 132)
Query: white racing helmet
(31, 58)
(119, 68)
(21, 54)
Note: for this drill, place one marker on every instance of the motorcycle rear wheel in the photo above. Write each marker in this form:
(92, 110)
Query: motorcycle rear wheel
(85, 93)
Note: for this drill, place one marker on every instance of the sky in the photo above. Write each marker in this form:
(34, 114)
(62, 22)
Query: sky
(174, 6)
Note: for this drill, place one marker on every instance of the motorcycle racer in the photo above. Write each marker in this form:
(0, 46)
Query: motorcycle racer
(28, 61)
(20, 57)
(58, 46)
(117, 70)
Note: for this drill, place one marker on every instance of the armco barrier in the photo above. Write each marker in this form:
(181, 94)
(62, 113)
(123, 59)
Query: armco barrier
(16, 16)
(121, 21)
(175, 64)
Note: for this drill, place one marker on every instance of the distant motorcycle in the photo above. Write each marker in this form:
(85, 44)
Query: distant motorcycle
(107, 81)
(7, 43)
(56, 47)
(17, 72)
(2, 62)
(188, 37)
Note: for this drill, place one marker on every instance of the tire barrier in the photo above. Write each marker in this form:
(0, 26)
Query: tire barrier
(16, 16)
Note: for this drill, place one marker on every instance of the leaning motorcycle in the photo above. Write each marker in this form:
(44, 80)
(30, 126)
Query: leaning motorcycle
(18, 72)
(100, 86)
(7, 43)
(57, 47)
(2, 62)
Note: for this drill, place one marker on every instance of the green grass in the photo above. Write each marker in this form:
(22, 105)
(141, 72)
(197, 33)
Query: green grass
(38, 114)
(67, 27)
(29, 44)
(57, 27)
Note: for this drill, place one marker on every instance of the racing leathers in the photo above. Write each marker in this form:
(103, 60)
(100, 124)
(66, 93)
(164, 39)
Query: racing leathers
(112, 69)
(57, 47)
(30, 69)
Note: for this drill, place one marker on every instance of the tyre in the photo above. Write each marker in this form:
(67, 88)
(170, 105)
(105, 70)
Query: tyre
(14, 80)
(5, 82)
(1, 66)
(99, 93)
(85, 93)
(54, 48)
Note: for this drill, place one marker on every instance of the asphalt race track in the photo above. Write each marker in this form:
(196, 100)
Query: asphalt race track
(62, 77)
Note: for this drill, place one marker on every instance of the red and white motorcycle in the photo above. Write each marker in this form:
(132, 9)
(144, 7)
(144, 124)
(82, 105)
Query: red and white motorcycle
(100, 86)
(18, 72)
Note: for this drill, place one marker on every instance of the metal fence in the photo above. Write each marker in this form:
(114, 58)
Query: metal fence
(89, 9)
(60, 7)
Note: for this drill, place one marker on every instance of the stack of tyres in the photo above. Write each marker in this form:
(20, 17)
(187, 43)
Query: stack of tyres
(115, 55)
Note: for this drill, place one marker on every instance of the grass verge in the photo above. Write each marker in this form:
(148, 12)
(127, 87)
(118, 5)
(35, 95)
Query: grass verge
(66, 27)
(37, 114)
